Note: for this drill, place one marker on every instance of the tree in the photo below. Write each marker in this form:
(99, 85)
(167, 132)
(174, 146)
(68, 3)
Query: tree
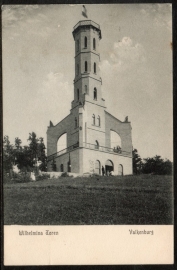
(8, 156)
(42, 155)
(156, 165)
(25, 157)
(137, 162)
(33, 145)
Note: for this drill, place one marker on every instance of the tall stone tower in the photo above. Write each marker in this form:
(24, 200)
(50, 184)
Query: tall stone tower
(89, 126)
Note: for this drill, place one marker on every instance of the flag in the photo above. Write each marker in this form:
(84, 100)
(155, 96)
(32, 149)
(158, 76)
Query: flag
(84, 11)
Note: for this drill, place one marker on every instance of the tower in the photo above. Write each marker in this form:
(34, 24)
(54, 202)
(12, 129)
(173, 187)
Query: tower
(87, 35)
(87, 82)
(89, 126)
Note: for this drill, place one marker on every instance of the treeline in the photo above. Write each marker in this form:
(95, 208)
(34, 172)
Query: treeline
(27, 157)
(33, 155)
(154, 165)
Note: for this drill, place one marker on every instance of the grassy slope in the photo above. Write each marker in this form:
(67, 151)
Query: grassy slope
(142, 199)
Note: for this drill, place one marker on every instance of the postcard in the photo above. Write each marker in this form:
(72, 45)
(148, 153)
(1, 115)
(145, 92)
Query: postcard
(87, 134)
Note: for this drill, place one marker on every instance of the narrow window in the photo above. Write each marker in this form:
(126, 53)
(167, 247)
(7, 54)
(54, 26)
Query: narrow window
(93, 116)
(77, 94)
(94, 44)
(77, 45)
(85, 66)
(97, 145)
(98, 118)
(62, 168)
(75, 122)
(85, 42)
(95, 93)
(85, 89)
(94, 67)
(77, 69)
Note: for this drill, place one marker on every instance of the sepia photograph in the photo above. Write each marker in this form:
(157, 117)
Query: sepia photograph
(87, 117)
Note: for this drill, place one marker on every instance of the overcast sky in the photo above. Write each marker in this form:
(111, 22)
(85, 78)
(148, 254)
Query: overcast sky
(136, 69)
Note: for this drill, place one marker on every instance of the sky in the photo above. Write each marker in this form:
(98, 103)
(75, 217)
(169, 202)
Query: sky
(135, 66)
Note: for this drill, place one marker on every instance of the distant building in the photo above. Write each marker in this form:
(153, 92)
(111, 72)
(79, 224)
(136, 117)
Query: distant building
(94, 137)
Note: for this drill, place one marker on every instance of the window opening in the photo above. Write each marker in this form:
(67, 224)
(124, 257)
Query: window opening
(85, 42)
(98, 118)
(95, 93)
(85, 66)
(93, 116)
(94, 44)
(94, 67)
(62, 168)
(97, 145)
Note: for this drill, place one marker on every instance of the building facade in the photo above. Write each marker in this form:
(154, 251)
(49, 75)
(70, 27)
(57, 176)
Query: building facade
(89, 128)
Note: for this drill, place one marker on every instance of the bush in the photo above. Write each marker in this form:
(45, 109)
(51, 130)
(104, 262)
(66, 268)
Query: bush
(64, 174)
(21, 177)
(95, 175)
(43, 177)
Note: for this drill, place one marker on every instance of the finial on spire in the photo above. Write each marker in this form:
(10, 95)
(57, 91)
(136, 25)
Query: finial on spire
(84, 11)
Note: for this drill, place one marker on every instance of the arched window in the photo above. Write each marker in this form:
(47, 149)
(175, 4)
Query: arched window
(77, 69)
(78, 45)
(98, 118)
(96, 144)
(62, 143)
(95, 93)
(86, 89)
(93, 117)
(61, 168)
(75, 122)
(85, 42)
(97, 167)
(77, 94)
(116, 143)
(94, 44)
(85, 66)
(120, 169)
(94, 67)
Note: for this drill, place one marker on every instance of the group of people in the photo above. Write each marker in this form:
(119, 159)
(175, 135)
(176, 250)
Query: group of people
(107, 173)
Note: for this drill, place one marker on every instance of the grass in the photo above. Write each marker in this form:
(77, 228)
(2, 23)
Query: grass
(142, 199)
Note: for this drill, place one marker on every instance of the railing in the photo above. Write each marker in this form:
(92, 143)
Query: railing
(86, 22)
(106, 149)
(63, 151)
(92, 147)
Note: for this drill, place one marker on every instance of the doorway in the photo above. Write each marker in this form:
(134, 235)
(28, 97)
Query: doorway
(109, 166)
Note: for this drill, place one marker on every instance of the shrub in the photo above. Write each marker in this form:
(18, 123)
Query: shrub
(43, 177)
(95, 175)
(64, 174)
(21, 177)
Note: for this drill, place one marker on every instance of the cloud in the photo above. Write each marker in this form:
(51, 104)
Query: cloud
(15, 13)
(160, 14)
(125, 54)
(28, 21)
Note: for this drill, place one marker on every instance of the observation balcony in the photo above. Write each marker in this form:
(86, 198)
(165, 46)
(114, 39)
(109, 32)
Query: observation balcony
(95, 147)
(86, 23)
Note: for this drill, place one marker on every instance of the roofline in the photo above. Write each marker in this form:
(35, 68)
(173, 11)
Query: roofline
(91, 23)
(117, 118)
